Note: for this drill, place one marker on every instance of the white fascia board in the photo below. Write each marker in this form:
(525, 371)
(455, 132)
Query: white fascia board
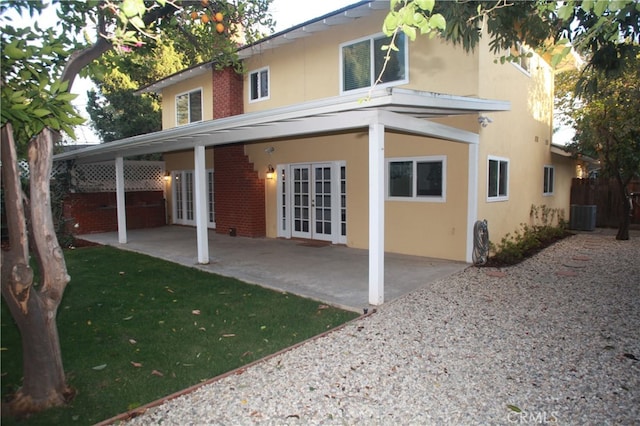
(392, 120)
(175, 78)
(288, 128)
(324, 106)
(558, 150)
(443, 101)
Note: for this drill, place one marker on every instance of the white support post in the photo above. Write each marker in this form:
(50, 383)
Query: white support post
(376, 214)
(472, 198)
(121, 208)
(201, 204)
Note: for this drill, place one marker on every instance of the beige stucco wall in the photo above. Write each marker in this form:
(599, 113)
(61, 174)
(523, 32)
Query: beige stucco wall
(418, 228)
(309, 68)
(523, 136)
(203, 81)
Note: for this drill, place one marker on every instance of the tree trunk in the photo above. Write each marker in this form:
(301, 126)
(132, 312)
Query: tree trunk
(34, 308)
(625, 220)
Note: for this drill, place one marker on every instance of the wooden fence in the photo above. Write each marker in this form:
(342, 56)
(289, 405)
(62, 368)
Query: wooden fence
(605, 195)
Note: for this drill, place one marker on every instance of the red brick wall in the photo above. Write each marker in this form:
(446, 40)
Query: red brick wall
(239, 193)
(96, 211)
(227, 93)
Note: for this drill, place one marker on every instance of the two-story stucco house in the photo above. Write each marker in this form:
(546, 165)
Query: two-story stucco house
(300, 146)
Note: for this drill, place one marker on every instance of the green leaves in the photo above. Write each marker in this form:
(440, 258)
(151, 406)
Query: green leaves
(411, 17)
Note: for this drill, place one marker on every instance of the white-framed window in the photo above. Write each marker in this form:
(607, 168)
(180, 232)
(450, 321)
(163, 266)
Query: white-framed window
(523, 61)
(417, 178)
(362, 61)
(549, 180)
(189, 107)
(497, 179)
(259, 85)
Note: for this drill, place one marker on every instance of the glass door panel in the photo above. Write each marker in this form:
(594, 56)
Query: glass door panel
(301, 206)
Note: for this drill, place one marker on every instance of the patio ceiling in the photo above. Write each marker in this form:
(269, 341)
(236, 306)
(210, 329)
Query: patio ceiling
(397, 109)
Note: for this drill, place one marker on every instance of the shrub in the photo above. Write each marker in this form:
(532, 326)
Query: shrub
(547, 226)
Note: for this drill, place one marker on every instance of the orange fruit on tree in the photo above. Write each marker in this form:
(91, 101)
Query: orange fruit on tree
(204, 18)
(194, 15)
(219, 28)
(204, 3)
(218, 17)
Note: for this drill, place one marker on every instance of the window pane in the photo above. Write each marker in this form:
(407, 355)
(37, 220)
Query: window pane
(545, 187)
(504, 173)
(195, 104)
(254, 86)
(356, 64)
(182, 109)
(493, 178)
(401, 179)
(429, 179)
(394, 70)
(548, 180)
(264, 84)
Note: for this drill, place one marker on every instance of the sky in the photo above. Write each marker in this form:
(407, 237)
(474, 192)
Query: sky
(292, 12)
(287, 14)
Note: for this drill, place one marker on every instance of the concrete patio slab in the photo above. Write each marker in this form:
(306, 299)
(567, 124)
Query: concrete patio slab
(332, 274)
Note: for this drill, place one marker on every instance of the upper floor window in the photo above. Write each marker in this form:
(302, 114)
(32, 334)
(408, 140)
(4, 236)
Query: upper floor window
(421, 178)
(523, 60)
(498, 179)
(362, 62)
(189, 107)
(259, 85)
(549, 177)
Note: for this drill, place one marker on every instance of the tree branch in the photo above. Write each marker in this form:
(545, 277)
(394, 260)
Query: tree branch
(81, 58)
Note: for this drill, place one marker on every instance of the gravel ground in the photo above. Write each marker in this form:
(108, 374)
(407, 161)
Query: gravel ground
(555, 340)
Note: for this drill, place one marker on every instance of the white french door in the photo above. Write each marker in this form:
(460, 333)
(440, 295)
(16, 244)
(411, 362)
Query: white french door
(183, 187)
(312, 201)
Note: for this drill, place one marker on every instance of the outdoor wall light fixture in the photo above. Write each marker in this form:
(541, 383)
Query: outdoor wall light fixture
(271, 173)
(167, 175)
(484, 120)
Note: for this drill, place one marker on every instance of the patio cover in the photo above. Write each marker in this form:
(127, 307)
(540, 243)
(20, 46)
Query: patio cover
(396, 109)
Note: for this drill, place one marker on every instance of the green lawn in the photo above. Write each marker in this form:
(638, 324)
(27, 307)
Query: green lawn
(134, 329)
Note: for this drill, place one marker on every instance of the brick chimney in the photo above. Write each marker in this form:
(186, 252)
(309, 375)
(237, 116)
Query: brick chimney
(227, 93)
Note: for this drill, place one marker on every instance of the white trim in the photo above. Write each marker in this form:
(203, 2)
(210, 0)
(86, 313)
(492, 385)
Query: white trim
(376, 214)
(498, 197)
(415, 197)
(282, 193)
(200, 208)
(260, 98)
(189, 92)
(121, 207)
(373, 75)
(472, 199)
(284, 203)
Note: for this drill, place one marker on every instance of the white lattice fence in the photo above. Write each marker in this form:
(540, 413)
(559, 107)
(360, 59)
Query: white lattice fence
(101, 177)
(58, 167)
